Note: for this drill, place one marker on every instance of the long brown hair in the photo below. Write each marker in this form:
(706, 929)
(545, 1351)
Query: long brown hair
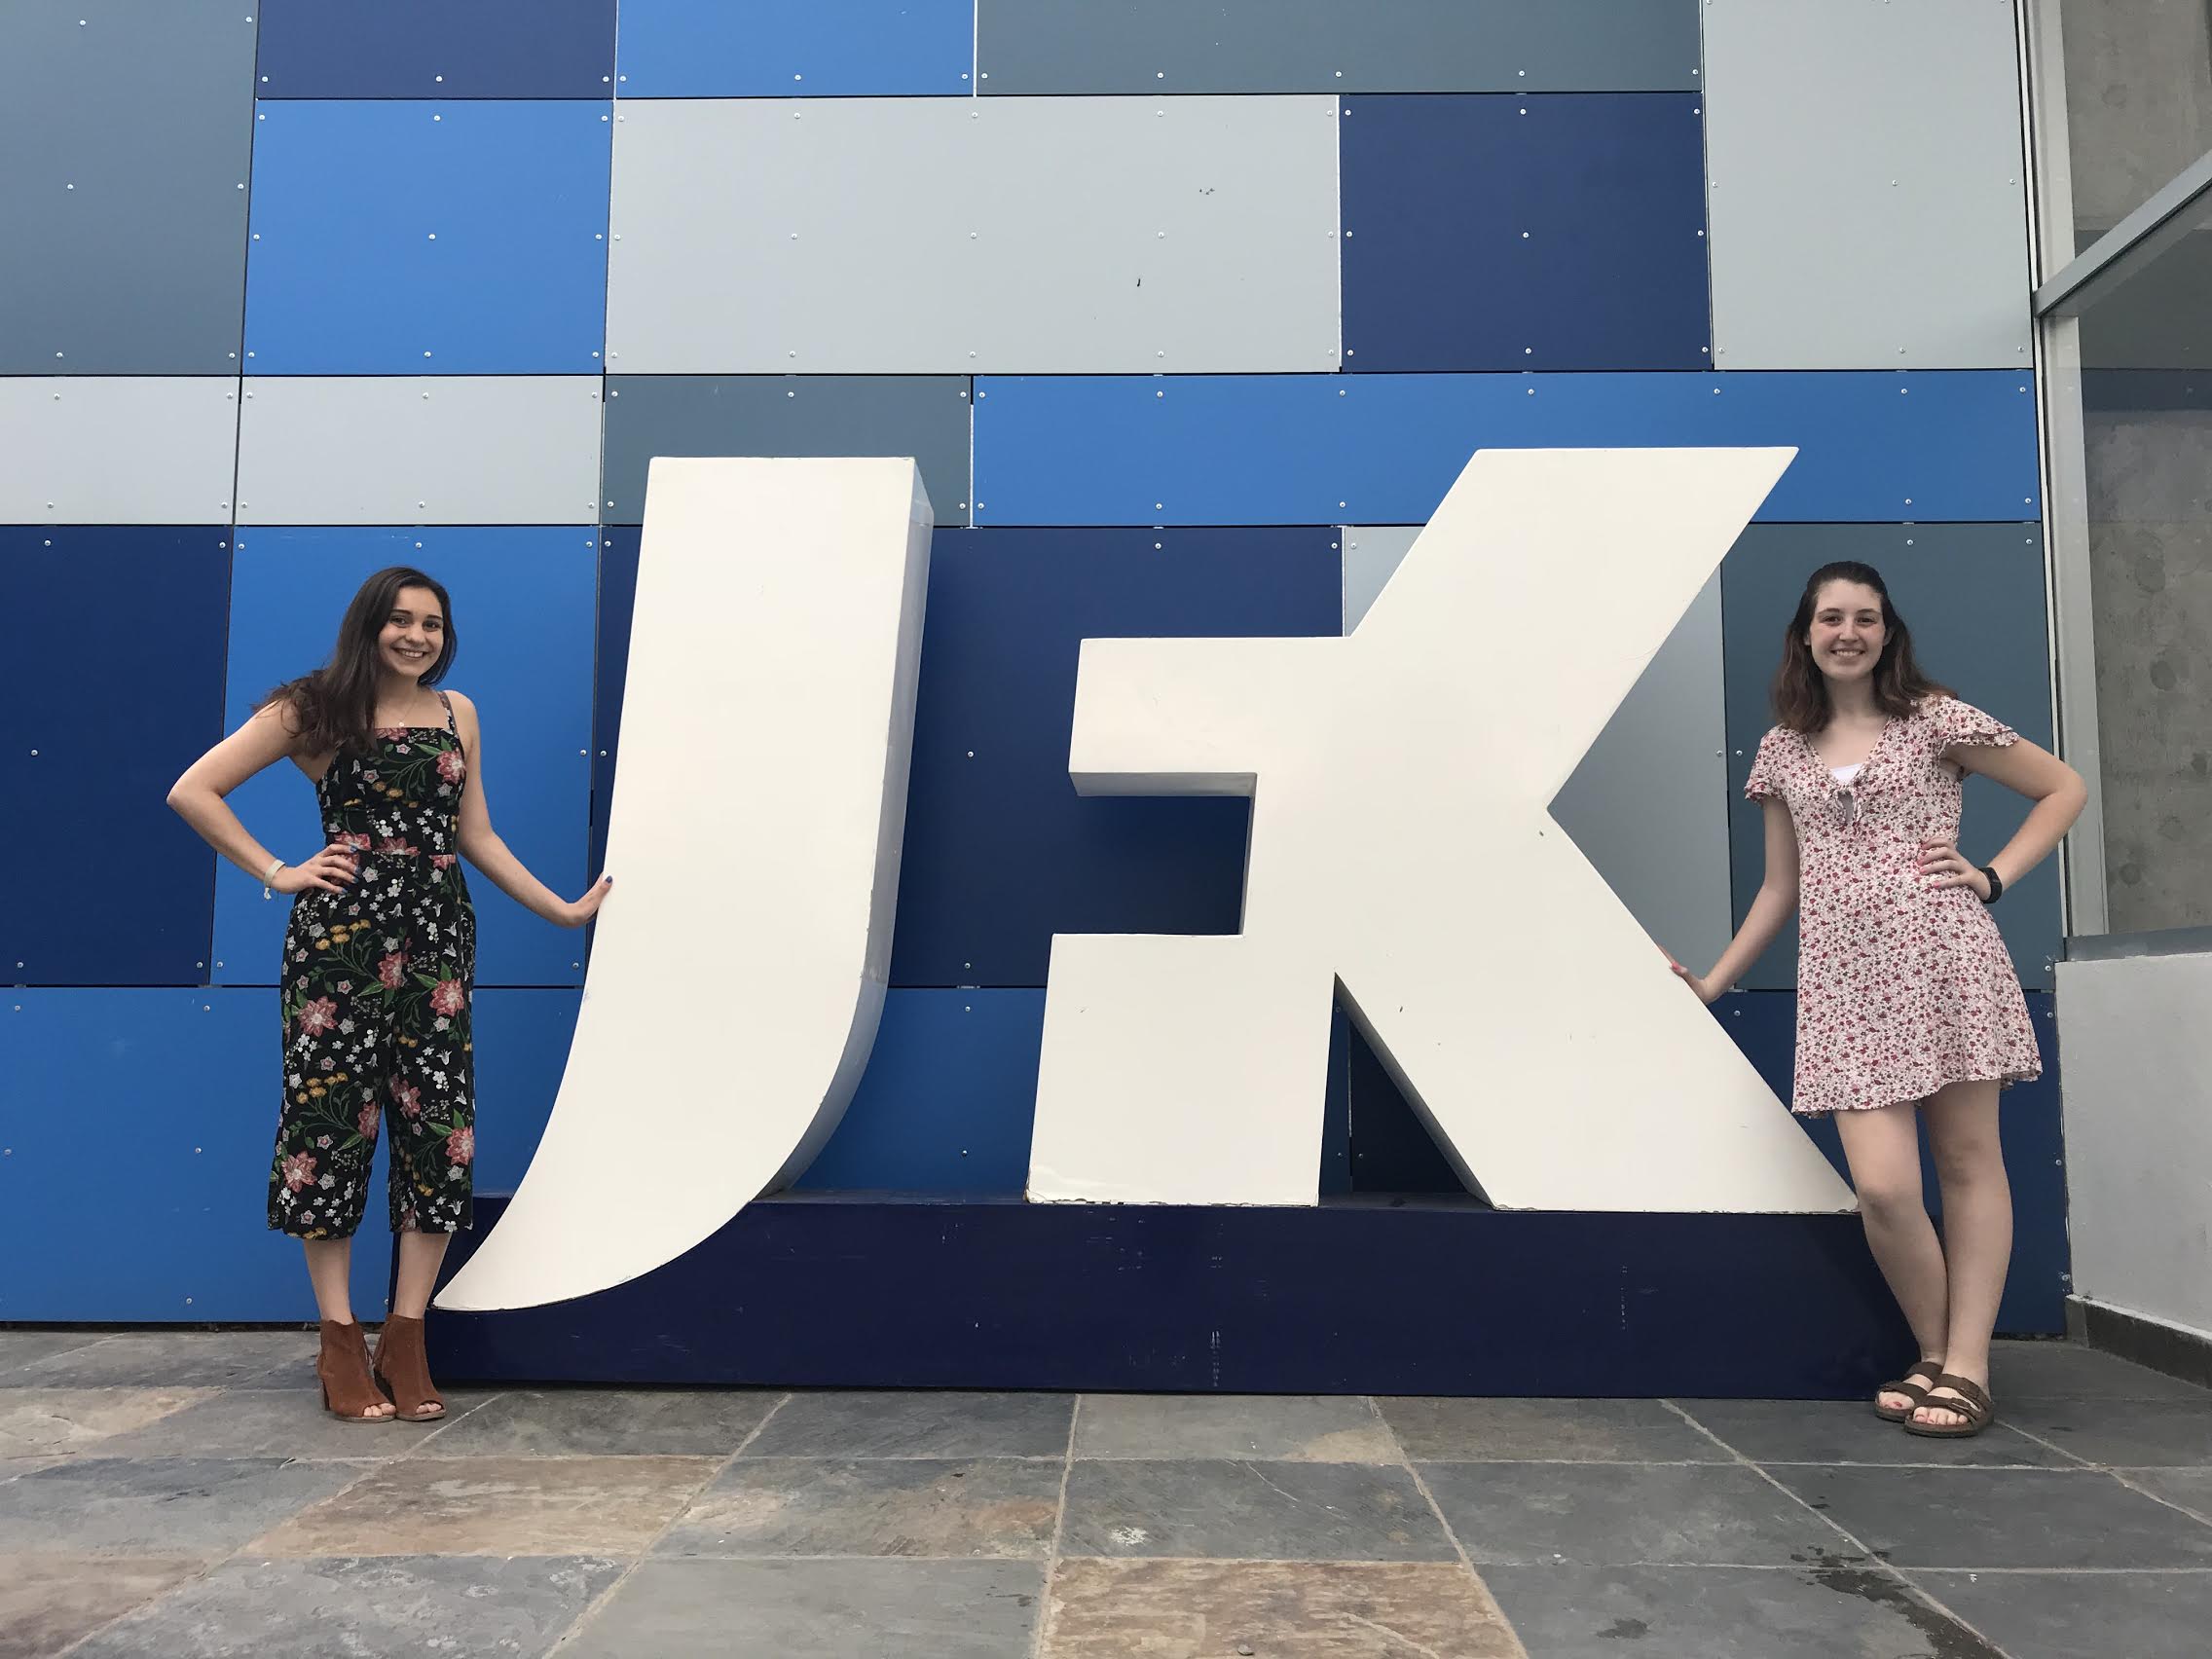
(1802, 690)
(335, 707)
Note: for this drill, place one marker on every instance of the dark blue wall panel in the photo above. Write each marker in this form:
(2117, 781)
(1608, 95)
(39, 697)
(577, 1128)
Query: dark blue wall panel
(611, 664)
(522, 602)
(710, 49)
(814, 1291)
(1972, 595)
(111, 685)
(1499, 232)
(417, 238)
(1765, 1027)
(947, 1099)
(1382, 449)
(437, 48)
(1000, 852)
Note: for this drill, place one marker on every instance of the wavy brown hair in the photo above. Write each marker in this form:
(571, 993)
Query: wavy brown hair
(335, 707)
(1802, 690)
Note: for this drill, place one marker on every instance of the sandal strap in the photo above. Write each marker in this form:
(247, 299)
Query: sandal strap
(1971, 1400)
(1917, 1379)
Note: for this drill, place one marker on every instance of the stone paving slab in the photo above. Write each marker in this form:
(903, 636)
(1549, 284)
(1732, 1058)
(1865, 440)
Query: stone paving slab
(176, 1359)
(1220, 1511)
(46, 1602)
(1306, 1429)
(607, 1422)
(932, 1423)
(1595, 1431)
(377, 1608)
(35, 1420)
(818, 1609)
(877, 1506)
(1624, 1515)
(2083, 1616)
(1198, 1609)
(1846, 1431)
(497, 1506)
(203, 1508)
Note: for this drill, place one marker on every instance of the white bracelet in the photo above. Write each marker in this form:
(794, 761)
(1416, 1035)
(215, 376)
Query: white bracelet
(270, 874)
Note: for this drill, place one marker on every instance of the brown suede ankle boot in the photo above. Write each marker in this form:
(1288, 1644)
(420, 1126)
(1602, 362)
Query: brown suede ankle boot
(403, 1370)
(342, 1367)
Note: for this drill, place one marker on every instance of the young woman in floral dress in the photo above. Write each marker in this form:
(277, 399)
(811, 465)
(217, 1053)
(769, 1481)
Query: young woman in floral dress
(1907, 1004)
(380, 957)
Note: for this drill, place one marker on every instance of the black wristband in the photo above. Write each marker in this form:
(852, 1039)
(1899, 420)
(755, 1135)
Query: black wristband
(1996, 885)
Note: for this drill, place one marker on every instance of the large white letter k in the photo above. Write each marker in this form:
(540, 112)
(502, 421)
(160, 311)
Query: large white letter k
(1402, 848)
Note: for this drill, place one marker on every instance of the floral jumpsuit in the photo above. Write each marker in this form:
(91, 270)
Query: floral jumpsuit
(375, 988)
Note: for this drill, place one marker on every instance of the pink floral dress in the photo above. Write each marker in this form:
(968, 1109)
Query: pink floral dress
(1901, 988)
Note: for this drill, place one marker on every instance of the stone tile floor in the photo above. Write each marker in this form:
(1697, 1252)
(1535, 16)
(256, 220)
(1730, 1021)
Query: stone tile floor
(178, 1496)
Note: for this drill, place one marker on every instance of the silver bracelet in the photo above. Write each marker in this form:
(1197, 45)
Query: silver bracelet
(268, 875)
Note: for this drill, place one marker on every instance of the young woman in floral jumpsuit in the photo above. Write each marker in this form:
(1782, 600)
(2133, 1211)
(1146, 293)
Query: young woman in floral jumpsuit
(378, 962)
(1907, 1004)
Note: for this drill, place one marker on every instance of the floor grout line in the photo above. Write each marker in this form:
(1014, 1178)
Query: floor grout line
(1042, 1627)
(1420, 1483)
(597, 1603)
(1878, 1562)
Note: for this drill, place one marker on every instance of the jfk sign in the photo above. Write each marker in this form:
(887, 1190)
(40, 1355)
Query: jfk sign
(1402, 861)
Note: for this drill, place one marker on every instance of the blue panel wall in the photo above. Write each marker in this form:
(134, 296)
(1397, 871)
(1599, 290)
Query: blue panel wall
(428, 237)
(709, 49)
(1547, 232)
(435, 48)
(104, 705)
(1000, 851)
(429, 194)
(522, 621)
(1382, 449)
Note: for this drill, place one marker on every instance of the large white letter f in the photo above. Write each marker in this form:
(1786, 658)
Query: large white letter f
(1402, 848)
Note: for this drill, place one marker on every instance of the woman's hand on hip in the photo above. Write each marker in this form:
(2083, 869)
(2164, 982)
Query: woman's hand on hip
(333, 869)
(1942, 865)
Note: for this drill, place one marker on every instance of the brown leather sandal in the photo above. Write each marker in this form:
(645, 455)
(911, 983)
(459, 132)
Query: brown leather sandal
(403, 1371)
(1972, 1402)
(349, 1392)
(1925, 1372)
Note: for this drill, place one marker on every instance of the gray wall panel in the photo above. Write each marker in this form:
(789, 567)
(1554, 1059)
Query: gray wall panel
(1974, 597)
(1867, 198)
(1344, 46)
(1649, 805)
(951, 236)
(94, 449)
(125, 138)
(923, 416)
(492, 449)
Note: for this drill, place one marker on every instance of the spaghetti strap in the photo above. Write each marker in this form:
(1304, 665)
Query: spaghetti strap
(446, 703)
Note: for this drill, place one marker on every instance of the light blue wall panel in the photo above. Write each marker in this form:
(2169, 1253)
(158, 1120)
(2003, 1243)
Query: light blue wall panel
(1972, 595)
(1868, 204)
(429, 237)
(1382, 449)
(923, 416)
(947, 1099)
(1563, 231)
(375, 449)
(97, 450)
(710, 49)
(136, 1136)
(523, 608)
(435, 48)
(965, 236)
(124, 145)
(1342, 46)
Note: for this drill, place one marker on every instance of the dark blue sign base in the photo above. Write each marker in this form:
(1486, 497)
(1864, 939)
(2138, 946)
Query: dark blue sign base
(1359, 1296)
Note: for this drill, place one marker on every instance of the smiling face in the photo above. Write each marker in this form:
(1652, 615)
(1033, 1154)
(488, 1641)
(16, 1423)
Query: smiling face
(414, 635)
(1848, 630)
